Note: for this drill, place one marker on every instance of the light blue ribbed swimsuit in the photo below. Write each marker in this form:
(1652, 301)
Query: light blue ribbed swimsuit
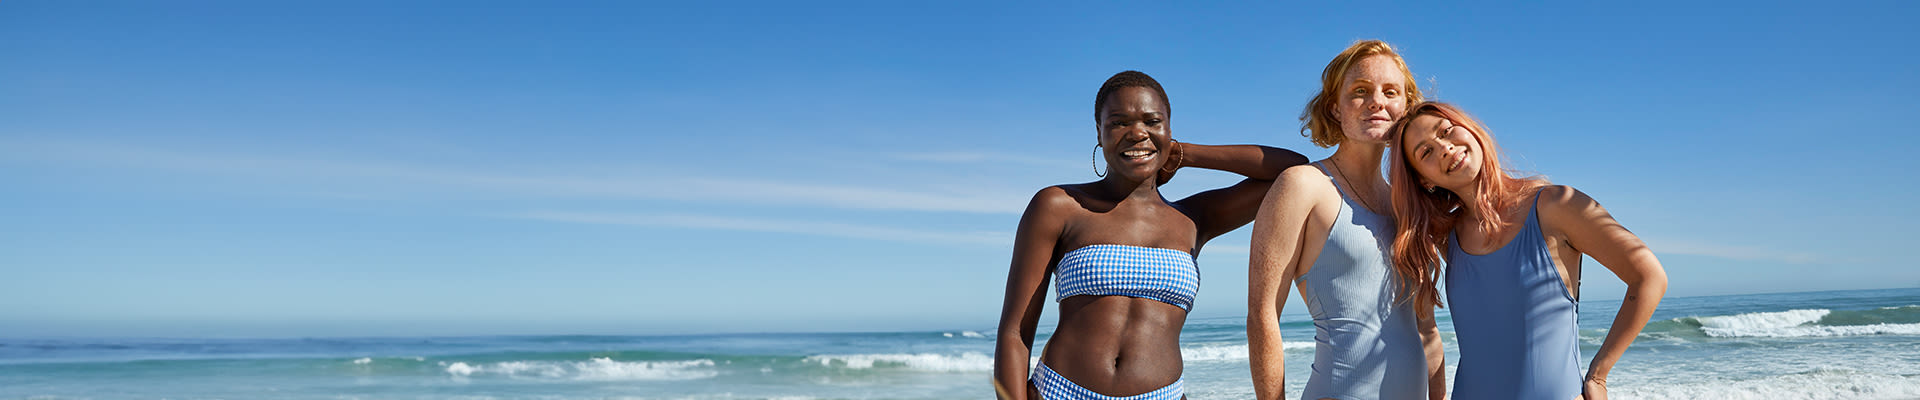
(1365, 345)
(1516, 323)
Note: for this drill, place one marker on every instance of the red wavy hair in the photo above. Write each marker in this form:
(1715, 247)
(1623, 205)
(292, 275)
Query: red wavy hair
(1316, 121)
(1426, 218)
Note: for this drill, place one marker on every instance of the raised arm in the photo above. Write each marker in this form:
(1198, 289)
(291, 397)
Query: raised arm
(1033, 245)
(1278, 238)
(1591, 230)
(1252, 161)
(1216, 212)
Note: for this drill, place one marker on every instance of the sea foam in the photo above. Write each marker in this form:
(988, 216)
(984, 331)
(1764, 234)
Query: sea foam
(981, 362)
(1792, 323)
(1231, 352)
(963, 362)
(966, 334)
(596, 369)
(1823, 384)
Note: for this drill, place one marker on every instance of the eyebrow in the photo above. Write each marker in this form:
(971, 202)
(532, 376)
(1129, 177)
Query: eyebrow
(1436, 135)
(1148, 114)
(1358, 81)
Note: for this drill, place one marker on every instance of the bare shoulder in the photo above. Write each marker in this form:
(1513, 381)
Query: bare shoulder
(1303, 182)
(1056, 200)
(1563, 200)
(1562, 207)
(1300, 186)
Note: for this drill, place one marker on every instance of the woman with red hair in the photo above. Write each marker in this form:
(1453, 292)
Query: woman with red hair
(1324, 229)
(1512, 249)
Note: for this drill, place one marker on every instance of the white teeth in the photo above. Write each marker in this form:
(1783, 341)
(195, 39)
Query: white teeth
(1136, 153)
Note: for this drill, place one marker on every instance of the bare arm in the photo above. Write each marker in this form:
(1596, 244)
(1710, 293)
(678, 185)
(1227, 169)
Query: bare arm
(1278, 237)
(1252, 161)
(1216, 212)
(1033, 246)
(1591, 230)
(1436, 355)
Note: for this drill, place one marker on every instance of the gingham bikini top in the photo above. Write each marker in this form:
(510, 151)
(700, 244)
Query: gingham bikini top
(1167, 275)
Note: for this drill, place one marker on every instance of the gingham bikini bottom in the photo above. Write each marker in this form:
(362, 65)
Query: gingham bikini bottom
(1055, 387)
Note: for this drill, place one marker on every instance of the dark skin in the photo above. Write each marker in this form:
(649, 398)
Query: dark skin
(1118, 345)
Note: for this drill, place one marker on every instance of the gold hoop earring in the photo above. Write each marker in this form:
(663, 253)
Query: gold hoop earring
(1096, 162)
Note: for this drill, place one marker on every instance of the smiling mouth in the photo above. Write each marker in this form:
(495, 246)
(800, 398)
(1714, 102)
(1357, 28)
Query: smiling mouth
(1137, 155)
(1458, 161)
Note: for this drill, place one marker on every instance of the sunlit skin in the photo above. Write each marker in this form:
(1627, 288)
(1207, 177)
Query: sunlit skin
(1444, 154)
(1372, 101)
(1448, 156)
(1299, 211)
(1119, 345)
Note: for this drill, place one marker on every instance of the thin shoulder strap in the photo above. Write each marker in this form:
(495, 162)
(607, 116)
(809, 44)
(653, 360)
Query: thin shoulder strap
(1534, 219)
(1533, 215)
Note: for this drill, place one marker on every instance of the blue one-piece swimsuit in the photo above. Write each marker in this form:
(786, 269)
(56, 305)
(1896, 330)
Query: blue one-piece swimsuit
(1366, 344)
(1516, 323)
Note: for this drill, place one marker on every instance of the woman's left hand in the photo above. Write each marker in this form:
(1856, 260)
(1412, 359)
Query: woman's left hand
(1594, 389)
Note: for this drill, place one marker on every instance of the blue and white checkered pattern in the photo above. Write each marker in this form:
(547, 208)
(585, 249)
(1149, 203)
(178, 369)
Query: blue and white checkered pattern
(1055, 387)
(1166, 275)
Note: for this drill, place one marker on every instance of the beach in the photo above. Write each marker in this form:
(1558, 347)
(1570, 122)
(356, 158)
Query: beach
(1860, 344)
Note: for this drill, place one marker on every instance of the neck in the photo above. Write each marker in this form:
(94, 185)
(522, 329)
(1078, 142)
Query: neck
(1360, 162)
(1470, 194)
(1130, 190)
(1467, 195)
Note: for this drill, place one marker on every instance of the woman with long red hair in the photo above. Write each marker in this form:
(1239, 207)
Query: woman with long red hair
(1512, 247)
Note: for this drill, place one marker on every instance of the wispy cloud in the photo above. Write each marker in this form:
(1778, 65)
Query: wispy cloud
(798, 227)
(289, 170)
(961, 157)
(1734, 252)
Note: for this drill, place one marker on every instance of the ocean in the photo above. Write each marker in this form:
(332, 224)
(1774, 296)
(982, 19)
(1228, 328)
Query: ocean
(1861, 344)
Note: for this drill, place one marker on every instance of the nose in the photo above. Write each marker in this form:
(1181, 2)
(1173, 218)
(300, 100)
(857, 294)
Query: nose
(1376, 101)
(1136, 132)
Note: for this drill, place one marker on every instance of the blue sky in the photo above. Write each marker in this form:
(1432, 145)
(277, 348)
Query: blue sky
(366, 168)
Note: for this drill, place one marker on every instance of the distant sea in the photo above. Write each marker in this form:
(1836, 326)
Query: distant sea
(1862, 344)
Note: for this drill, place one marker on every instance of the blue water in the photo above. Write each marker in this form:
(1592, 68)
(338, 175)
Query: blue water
(1819, 345)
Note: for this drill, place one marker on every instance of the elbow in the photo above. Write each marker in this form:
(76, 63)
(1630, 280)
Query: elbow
(1011, 336)
(1284, 158)
(1274, 160)
(1652, 284)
